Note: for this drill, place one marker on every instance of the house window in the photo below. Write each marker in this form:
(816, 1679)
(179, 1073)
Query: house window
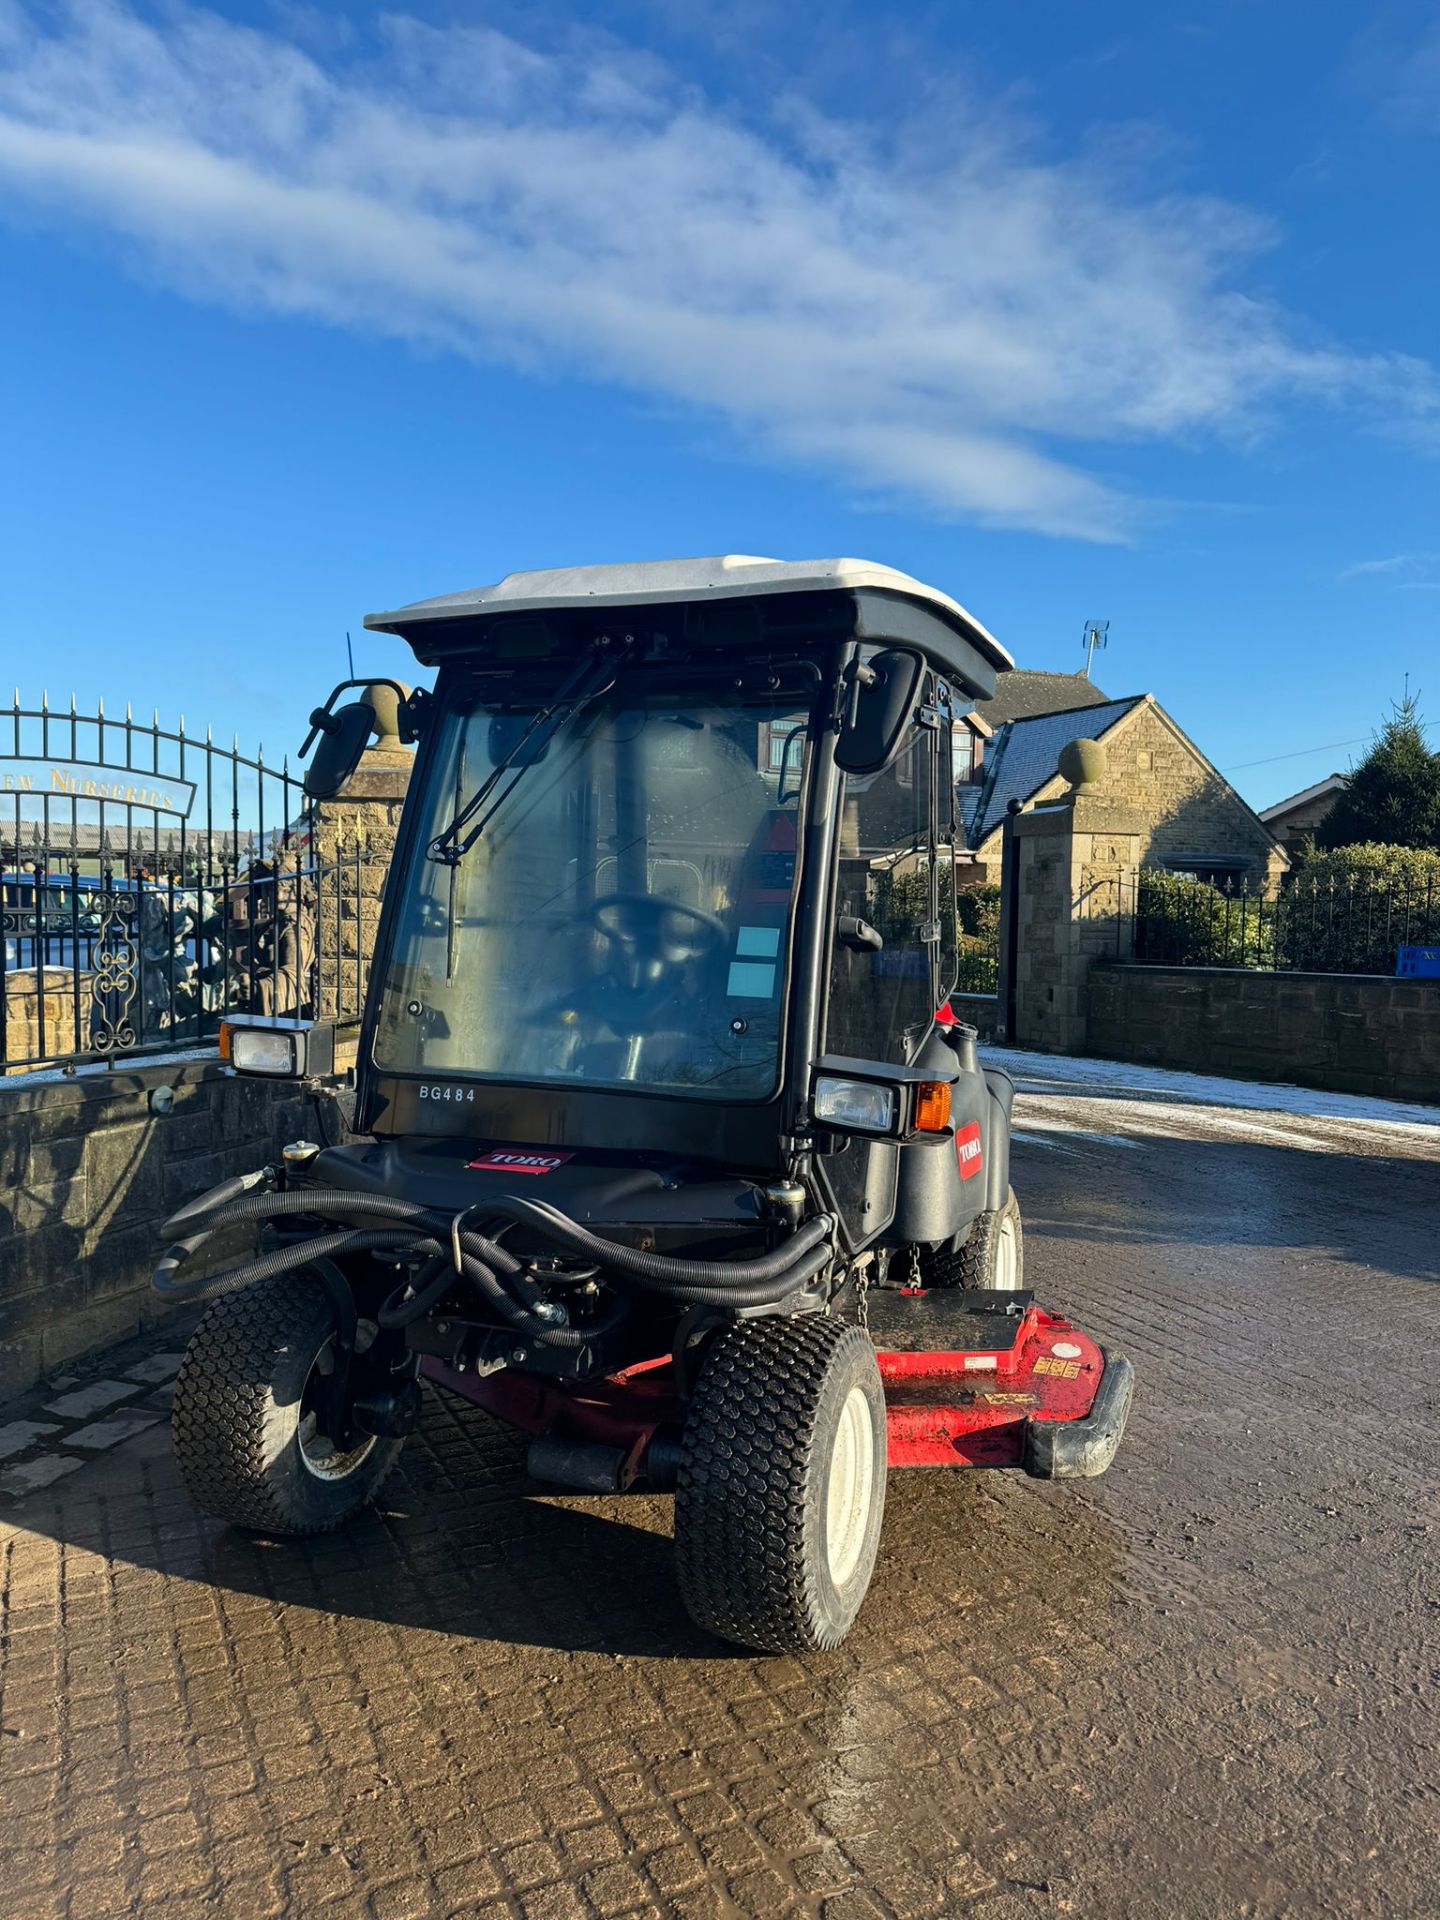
(1216, 871)
(782, 744)
(969, 753)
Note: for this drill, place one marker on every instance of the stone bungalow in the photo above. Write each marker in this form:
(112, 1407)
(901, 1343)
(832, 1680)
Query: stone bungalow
(1193, 820)
(1294, 819)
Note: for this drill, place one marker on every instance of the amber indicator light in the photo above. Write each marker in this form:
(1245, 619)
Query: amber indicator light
(932, 1106)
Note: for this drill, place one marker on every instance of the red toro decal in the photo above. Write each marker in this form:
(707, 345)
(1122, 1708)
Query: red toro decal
(967, 1150)
(514, 1160)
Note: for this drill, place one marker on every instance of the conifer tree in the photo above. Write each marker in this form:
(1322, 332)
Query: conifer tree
(1394, 792)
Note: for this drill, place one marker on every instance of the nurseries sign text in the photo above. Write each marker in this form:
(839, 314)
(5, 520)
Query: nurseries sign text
(41, 781)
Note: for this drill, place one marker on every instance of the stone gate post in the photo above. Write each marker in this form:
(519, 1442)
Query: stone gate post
(1068, 870)
(354, 837)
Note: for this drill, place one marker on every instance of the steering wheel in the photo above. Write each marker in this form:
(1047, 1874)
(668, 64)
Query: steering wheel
(653, 936)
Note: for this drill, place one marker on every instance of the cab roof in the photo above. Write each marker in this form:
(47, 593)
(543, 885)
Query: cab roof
(727, 576)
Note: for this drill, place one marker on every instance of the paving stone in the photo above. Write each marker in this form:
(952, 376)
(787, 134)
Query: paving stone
(478, 1704)
(94, 1398)
(160, 1366)
(28, 1475)
(17, 1435)
(101, 1434)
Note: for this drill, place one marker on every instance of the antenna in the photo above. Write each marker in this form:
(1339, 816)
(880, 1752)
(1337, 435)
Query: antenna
(1094, 636)
(350, 651)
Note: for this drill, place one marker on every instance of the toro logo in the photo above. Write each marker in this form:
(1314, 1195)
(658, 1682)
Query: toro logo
(515, 1160)
(967, 1150)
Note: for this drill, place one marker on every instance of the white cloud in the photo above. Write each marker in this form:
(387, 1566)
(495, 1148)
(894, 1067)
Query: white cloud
(1392, 567)
(934, 325)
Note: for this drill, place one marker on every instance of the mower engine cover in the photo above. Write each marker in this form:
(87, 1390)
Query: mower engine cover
(669, 1205)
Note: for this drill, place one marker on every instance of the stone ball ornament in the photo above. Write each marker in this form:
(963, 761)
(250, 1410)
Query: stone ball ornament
(384, 703)
(1082, 763)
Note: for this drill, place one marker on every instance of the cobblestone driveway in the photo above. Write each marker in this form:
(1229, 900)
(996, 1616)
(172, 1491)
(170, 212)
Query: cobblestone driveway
(1204, 1686)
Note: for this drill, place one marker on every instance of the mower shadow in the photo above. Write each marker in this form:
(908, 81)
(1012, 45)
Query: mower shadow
(462, 1544)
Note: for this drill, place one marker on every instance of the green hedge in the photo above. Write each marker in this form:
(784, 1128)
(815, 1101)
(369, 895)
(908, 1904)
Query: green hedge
(1189, 923)
(1345, 912)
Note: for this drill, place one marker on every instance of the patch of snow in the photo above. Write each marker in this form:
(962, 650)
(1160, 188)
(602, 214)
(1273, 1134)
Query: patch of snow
(1053, 1123)
(1064, 1074)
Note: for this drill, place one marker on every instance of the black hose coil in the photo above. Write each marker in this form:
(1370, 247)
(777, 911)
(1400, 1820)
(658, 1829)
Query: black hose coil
(429, 1234)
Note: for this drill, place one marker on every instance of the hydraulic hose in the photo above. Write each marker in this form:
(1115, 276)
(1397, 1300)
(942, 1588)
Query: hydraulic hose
(494, 1272)
(660, 1268)
(302, 1253)
(438, 1274)
(204, 1204)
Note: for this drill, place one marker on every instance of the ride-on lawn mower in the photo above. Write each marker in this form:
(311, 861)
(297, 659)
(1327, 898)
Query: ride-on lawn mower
(664, 1154)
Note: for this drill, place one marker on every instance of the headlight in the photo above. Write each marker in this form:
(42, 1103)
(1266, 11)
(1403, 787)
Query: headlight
(253, 1050)
(855, 1103)
(283, 1049)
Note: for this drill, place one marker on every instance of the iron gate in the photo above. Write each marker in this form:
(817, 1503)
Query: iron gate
(152, 881)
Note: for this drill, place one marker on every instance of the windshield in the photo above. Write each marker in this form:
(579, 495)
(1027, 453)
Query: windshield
(624, 918)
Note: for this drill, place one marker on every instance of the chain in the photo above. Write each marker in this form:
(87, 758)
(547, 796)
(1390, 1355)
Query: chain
(915, 1277)
(862, 1295)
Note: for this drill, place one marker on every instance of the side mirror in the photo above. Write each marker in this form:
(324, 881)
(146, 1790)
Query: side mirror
(344, 736)
(389, 710)
(881, 698)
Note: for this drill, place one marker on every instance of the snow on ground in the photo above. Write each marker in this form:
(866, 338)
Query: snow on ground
(1068, 1104)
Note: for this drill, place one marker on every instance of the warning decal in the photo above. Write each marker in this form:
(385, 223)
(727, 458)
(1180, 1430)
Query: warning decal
(967, 1148)
(517, 1160)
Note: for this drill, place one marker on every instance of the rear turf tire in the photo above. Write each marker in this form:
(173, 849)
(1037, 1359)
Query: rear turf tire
(243, 1437)
(992, 1257)
(781, 1488)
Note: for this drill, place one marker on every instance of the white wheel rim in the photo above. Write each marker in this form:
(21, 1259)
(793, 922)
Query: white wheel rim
(851, 1486)
(321, 1457)
(318, 1453)
(1005, 1262)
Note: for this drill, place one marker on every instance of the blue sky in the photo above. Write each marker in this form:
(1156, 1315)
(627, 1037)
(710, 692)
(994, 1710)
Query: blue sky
(1075, 311)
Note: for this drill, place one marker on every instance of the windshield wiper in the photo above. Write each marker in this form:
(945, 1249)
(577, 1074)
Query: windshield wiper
(595, 675)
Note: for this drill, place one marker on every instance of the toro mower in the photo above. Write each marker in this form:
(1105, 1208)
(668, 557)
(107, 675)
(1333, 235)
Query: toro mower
(662, 1152)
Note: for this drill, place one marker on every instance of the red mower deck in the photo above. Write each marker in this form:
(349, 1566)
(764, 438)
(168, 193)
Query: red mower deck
(971, 1380)
(992, 1380)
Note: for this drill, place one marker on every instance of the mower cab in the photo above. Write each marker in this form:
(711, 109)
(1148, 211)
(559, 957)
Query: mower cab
(664, 1126)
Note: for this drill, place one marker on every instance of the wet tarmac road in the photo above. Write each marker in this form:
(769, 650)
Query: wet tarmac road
(1206, 1685)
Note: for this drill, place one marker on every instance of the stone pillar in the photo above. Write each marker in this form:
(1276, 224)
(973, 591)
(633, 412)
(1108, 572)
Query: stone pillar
(354, 837)
(1070, 864)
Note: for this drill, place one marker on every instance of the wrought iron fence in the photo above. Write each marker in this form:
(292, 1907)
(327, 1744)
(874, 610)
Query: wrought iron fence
(151, 882)
(1306, 926)
(978, 939)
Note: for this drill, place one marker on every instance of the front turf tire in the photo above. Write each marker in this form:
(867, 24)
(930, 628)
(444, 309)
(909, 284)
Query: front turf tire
(992, 1257)
(244, 1441)
(781, 1488)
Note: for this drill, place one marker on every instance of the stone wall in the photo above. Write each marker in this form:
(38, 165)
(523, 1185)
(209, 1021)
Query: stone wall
(88, 1170)
(1182, 806)
(1351, 1033)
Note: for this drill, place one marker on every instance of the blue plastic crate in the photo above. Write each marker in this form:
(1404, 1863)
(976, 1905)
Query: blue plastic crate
(1419, 963)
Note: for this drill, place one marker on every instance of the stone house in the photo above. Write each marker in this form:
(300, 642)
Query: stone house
(1192, 819)
(1293, 820)
(1021, 694)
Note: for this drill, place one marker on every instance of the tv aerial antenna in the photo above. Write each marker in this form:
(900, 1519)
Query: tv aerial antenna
(1096, 635)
